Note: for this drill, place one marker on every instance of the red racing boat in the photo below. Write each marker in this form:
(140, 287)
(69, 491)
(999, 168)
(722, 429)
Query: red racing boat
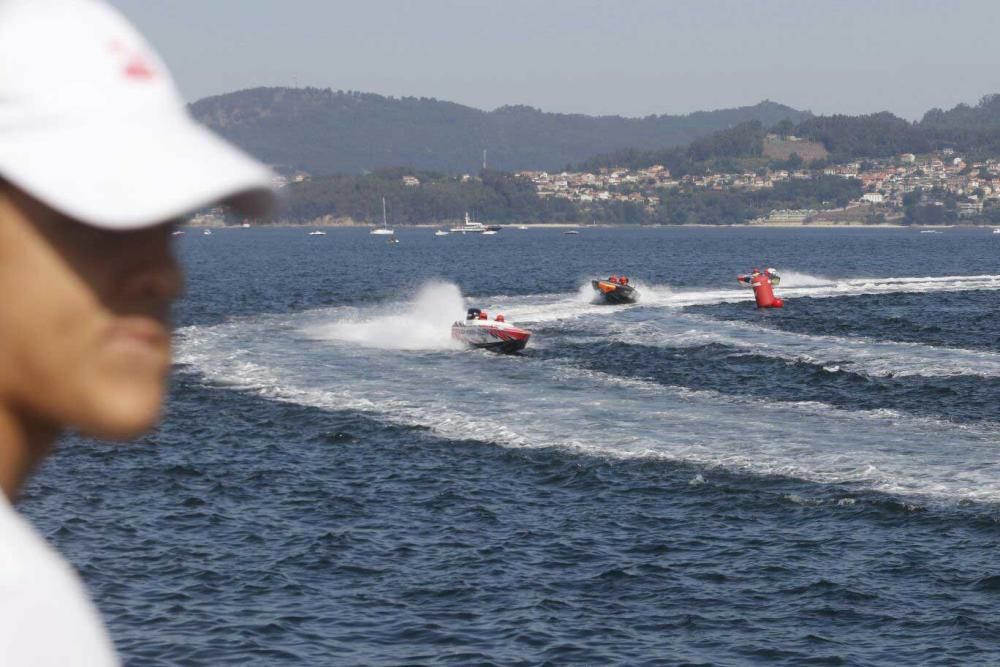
(478, 330)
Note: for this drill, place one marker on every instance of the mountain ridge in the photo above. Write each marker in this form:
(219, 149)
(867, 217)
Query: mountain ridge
(322, 131)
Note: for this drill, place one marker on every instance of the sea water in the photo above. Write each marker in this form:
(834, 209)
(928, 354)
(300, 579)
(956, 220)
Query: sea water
(686, 480)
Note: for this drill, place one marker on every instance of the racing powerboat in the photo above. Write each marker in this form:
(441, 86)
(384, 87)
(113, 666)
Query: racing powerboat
(616, 290)
(497, 335)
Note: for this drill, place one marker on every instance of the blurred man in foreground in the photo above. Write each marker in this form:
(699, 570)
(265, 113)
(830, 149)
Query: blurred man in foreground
(98, 159)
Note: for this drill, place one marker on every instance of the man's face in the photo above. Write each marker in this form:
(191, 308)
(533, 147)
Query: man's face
(84, 336)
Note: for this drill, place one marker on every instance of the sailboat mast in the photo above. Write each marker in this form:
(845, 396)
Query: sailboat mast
(384, 223)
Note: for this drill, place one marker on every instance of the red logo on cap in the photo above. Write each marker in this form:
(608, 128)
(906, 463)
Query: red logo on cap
(136, 67)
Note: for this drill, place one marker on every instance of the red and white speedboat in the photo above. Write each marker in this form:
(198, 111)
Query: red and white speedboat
(478, 330)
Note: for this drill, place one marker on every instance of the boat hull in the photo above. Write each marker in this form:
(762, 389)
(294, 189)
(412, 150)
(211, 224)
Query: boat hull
(615, 293)
(492, 336)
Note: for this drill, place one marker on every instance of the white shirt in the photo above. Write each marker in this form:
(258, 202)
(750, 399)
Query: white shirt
(46, 617)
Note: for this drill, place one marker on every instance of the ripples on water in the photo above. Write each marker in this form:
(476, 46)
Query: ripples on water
(685, 481)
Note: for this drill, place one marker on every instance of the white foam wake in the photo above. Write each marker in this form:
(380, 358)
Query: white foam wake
(797, 285)
(533, 402)
(421, 324)
(549, 307)
(865, 356)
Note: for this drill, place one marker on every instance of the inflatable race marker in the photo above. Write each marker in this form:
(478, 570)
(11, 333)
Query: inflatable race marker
(763, 284)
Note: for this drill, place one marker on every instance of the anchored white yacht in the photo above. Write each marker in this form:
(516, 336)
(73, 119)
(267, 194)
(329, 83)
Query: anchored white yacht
(384, 229)
(473, 227)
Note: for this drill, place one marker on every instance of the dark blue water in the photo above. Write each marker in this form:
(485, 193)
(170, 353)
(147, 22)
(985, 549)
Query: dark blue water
(684, 481)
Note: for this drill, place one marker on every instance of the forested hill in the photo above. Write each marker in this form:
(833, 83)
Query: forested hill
(972, 130)
(327, 132)
(983, 116)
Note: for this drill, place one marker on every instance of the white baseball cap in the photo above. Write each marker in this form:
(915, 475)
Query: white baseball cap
(92, 125)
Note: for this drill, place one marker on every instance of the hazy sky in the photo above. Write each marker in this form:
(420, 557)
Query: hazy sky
(628, 57)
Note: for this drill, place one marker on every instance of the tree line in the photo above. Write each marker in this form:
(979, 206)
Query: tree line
(972, 130)
(500, 197)
(494, 196)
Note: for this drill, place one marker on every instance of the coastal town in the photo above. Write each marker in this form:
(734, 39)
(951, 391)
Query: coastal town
(885, 185)
(792, 181)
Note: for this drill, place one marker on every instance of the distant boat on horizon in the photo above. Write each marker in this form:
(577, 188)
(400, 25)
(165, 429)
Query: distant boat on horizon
(440, 232)
(384, 229)
(207, 232)
(317, 232)
(571, 232)
(473, 227)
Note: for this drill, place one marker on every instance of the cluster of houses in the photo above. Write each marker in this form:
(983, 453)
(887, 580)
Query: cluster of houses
(627, 185)
(885, 182)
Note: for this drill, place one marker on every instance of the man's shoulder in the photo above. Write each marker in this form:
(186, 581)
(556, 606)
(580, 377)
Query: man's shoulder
(46, 617)
(28, 561)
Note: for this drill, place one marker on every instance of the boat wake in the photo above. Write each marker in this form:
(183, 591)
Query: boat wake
(798, 285)
(423, 323)
(387, 362)
(525, 402)
(863, 356)
(532, 309)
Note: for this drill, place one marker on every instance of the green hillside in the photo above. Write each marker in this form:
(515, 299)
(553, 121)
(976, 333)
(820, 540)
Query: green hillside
(327, 132)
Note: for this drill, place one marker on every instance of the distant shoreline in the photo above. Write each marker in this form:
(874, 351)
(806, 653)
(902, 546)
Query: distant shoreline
(584, 226)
